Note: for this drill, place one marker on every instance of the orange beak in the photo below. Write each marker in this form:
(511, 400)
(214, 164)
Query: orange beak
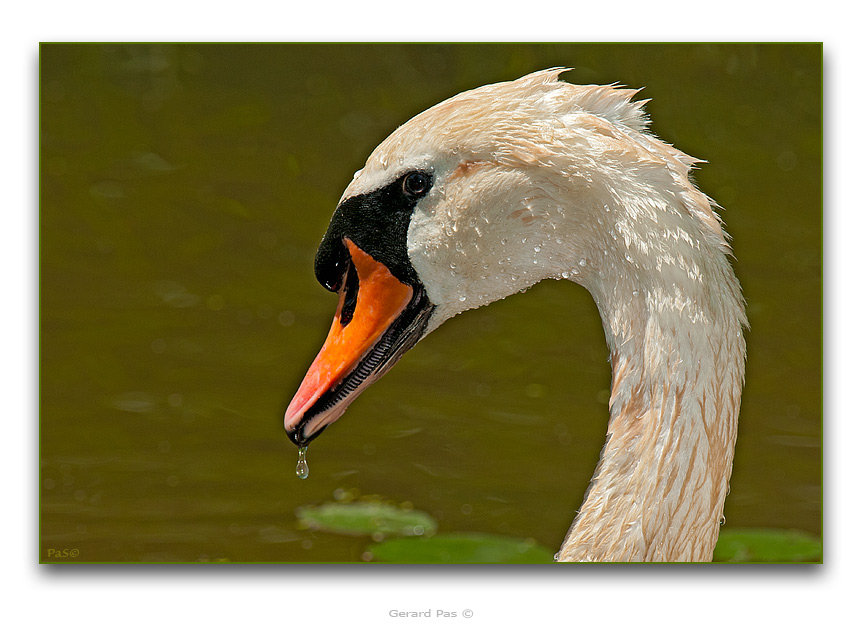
(363, 342)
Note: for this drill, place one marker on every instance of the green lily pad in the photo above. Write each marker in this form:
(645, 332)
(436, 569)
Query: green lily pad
(767, 545)
(461, 548)
(366, 518)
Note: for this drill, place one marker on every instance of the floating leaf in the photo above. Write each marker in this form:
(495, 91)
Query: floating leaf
(366, 518)
(461, 548)
(767, 545)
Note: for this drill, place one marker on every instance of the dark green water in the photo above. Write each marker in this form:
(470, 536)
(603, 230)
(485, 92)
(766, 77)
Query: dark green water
(184, 190)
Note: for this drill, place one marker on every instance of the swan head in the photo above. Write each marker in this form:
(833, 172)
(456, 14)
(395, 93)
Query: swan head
(477, 198)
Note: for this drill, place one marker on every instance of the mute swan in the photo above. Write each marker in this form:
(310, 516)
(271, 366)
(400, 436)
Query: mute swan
(497, 188)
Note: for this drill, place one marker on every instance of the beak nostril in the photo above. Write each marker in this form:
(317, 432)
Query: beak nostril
(351, 293)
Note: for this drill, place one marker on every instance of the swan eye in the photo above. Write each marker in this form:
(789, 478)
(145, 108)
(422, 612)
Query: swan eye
(416, 184)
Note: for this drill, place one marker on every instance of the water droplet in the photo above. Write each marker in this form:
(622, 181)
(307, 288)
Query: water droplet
(582, 262)
(722, 521)
(302, 464)
(537, 248)
(565, 274)
(462, 298)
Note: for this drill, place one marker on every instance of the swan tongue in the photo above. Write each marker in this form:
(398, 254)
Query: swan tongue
(378, 318)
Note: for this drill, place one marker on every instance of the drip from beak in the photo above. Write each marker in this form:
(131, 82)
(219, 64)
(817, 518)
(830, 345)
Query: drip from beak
(377, 320)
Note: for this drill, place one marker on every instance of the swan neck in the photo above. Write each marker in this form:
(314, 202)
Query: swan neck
(677, 371)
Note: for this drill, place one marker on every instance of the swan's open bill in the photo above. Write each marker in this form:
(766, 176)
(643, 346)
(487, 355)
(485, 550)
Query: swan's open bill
(378, 319)
(495, 189)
